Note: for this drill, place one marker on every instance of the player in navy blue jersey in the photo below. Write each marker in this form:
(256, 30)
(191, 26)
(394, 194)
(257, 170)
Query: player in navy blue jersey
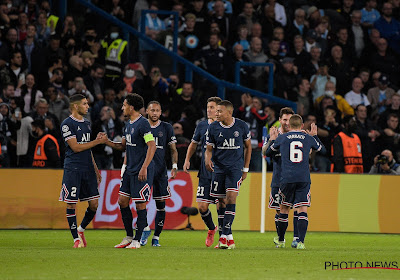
(137, 179)
(81, 176)
(203, 197)
(164, 137)
(228, 154)
(295, 147)
(284, 117)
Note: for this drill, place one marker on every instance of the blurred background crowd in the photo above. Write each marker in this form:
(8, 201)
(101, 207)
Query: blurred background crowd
(333, 58)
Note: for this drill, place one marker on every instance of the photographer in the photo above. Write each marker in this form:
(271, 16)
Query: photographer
(385, 164)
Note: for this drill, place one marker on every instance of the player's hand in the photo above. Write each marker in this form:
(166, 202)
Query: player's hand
(210, 166)
(273, 133)
(244, 175)
(314, 129)
(142, 174)
(174, 171)
(186, 166)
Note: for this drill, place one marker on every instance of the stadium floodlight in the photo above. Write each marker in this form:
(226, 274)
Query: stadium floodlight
(189, 211)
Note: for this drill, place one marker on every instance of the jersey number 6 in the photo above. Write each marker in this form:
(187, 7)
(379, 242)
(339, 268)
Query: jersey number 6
(296, 155)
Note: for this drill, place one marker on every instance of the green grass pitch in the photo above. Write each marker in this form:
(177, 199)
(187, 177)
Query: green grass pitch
(48, 254)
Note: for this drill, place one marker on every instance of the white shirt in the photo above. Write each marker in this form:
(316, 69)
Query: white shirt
(355, 99)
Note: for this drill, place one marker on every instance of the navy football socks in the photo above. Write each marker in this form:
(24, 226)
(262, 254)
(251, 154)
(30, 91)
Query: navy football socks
(71, 217)
(228, 219)
(221, 214)
(89, 215)
(141, 223)
(160, 217)
(207, 218)
(276, 223)
(282, 226)
(295, 229)
(127, 219)
(302, 225)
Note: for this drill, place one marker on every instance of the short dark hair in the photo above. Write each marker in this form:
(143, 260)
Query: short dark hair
(286, 111)
(95, 66)
(76, 97)
(154, 102)
(295, 121)
(226, 103)
(39, 123)
(135, 100)
(358, 106)
(347, 119)
(392, 115)
(215, 99)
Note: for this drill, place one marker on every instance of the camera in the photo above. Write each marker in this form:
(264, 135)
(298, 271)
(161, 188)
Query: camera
(383, 159)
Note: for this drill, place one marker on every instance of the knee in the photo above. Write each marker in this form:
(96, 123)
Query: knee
(160, 205)
(203, 207)
(123, 201)
(93, 205)
(140, 205)
(71, 206)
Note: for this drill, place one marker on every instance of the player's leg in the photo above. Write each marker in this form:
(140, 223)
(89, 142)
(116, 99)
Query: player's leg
(286, 198)
(89, 192)
(274, 204)
(229, 216)
(221, 207)
(159, 222)
(295, 229)
(141, 223)
(71, 217)
(302, 201)
(126, 213)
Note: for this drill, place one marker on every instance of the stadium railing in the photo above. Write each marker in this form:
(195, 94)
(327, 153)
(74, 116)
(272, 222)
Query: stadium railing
(189, 66)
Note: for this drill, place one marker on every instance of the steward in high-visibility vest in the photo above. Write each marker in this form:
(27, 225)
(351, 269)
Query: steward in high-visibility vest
(346, 149)
(115, 58)
(47, 150)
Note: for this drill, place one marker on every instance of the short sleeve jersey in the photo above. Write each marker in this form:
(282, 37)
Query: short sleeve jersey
(199, 137)
(276, 165)
(228, 143)
(135, 133)
(295, 149)
(163, 136)
(79, 129)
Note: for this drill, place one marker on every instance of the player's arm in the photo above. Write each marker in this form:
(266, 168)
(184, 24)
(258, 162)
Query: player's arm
(273, 134)
(123, 168)
(247, 157)
(120, 146)
(207, 158)
(174, 158)
(151, 149)
(190, 152)
(98, 175)
(80, 147)
(319, 147)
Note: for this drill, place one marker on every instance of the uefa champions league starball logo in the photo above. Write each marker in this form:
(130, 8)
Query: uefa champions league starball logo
(236, 134)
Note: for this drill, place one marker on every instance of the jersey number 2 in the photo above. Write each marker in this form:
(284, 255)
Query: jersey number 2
(296, 155)
(73, 193)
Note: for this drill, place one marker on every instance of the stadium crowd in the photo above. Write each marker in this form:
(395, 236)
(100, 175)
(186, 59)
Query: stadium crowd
(333, 58)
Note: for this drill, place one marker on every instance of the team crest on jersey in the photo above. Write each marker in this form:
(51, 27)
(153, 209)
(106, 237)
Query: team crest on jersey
(132, 130)
(65, 128)
(160, 134)
(236, 133)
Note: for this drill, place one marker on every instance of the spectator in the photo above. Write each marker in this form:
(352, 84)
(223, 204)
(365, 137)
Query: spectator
(247, 17)
(182, 143)
(256, 31)
(280, 14)
(364, 75)
(380, 96)
(8, 92)
(279, 33)
(201, 13)
(391, 134)
(80, 88)
(369, 14)
(223, 20)
(88, 60)
(358, 33)
(58, 103)
(393, 109)
(304, 99)
(227, 6)
(184, 100)
(51, 122)
(245, 71)
(272, 121)
(347, 144)
(311, 67)
(287, 80)
(108, 123)
(319, 80)
(94, 81)
(341, 103)
(368, 133)
(301, 57)
(242, 38)
(155, 87)
(389, 27)
(9, 124)
(14, 73)
(29, 92)
(255, 54)
(192, 37)
(341, 69)
(356, 96)
(108, 100)
(43, 31)
(385, 164)
(348, 50)
(31, 46)
(297, 26)
(371, 47)
(268, 21)
(133, 77)
(312, 40)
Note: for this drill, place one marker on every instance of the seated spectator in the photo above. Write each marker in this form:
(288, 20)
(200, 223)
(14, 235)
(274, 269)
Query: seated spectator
(369, 15)
(242, 38)
(381, 96)
(364, 75)
(279, 33)
(385, 164)
(356, 96)
(29, 93)
(393, 109)
(341, 103)
(319, 80)
(391, 134)
(368, 133)
(297, 26)
(312, 40)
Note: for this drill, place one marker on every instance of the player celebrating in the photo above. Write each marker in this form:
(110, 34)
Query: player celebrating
(81, 176)
(138, 176)
(284, 117)
(295, 147)
(230, 138)
(164, 137)
(203, 198)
